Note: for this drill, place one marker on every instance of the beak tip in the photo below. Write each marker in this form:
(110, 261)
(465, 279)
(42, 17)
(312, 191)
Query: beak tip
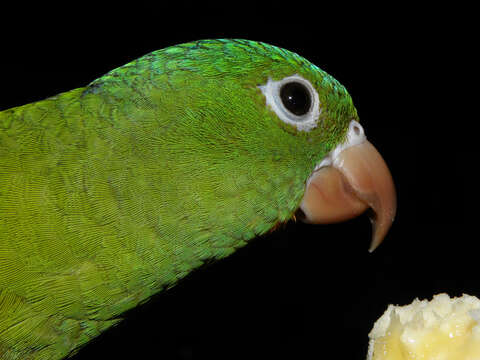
(380, 228)
(376, 241)
(373, 245)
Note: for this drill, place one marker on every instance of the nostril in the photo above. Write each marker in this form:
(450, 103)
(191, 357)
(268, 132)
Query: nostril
(356, 129)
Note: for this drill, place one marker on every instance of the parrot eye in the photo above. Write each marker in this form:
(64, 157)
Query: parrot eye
(294, 100)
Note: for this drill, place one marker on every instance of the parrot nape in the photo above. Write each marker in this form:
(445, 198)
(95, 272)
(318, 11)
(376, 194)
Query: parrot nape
(112, 192)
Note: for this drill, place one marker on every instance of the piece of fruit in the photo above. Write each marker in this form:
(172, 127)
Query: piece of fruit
(441, 329)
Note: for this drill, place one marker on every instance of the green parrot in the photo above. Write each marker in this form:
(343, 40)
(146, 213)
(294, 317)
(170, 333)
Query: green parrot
(115, 191)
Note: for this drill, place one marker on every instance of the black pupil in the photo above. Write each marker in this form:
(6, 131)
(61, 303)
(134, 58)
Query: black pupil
(296, 98)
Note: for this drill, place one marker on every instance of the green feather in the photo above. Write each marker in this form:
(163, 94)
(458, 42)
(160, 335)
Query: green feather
(113, 192)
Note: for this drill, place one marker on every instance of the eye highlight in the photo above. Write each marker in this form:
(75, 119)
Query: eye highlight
(294, 100)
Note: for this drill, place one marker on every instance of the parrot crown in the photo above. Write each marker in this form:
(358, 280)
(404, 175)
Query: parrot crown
(212, 57)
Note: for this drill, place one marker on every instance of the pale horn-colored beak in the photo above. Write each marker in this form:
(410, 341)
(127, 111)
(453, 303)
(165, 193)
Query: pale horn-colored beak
(351, 179)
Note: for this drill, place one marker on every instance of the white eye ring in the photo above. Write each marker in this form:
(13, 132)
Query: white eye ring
(305, 122)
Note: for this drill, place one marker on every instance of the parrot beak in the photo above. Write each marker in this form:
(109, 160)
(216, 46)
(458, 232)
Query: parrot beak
(351, 179)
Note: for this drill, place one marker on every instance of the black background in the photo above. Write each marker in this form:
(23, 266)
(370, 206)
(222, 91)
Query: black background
(304, 288)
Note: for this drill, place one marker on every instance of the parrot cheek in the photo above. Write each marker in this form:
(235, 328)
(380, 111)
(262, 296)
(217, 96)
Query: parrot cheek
(355, 179)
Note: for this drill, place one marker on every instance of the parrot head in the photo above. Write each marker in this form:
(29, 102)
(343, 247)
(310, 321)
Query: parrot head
(254, 134)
